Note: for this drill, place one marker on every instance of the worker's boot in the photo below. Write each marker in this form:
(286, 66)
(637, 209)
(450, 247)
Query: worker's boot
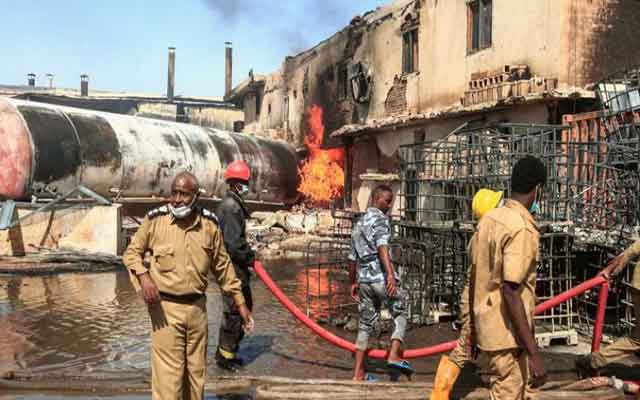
(584, 368)
(446, 376)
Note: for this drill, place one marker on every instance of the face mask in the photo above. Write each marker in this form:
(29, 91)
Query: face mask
(242, 189)
(183, 211)
(535, 206)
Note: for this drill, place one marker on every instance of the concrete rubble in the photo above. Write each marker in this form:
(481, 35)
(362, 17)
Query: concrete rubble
(287, 233)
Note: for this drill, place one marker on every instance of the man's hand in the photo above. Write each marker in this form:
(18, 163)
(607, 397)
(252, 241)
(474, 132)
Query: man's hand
(538, 373)
(248, 325)
(391, 285)
(150, 292)
(612, 267)
(354, 291)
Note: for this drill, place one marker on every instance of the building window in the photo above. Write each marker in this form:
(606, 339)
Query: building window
(410, 51)
(479, 24)
(343, 81)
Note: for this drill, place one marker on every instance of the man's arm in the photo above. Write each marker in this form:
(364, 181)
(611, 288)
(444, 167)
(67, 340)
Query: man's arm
(381, 238)
(232, 232)
(518, 254)
(226, 276)
(518, 316)
(619, 263)
(133, 259)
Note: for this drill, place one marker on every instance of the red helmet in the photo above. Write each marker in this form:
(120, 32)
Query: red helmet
(238, 169)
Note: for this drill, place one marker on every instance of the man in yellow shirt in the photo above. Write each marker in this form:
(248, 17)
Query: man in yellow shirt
(450, 366)
(502, 286)
(186, 245)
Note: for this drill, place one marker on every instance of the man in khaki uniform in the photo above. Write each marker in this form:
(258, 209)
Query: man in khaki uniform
(450, 366)
(502, 290)
(625, 346)
(186, 245)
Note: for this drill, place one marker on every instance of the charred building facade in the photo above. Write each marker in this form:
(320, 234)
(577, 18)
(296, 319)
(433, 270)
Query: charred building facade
(415, 70)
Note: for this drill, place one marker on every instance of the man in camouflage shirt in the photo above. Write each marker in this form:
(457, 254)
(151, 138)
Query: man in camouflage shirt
(377, 283)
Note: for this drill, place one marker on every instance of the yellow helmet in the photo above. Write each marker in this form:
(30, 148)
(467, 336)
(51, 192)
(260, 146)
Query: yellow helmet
(484, 201)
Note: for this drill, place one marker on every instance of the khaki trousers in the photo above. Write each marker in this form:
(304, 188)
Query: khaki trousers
(463, 352)
(178, 350)
(508, 374)
(623, 347)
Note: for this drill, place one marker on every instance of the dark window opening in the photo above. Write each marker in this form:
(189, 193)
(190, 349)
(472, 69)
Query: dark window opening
(410, 51)
(269, 108)
(343, 81)
(479, 24)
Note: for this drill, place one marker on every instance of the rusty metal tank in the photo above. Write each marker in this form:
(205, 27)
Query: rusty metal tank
(47, 150)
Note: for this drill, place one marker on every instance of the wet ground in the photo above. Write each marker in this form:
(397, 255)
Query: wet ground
(79, 324)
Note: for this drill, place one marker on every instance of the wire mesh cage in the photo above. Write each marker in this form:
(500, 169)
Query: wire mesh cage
(554, 276)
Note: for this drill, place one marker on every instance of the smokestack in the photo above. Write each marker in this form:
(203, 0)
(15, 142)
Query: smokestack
(171, 81)
(228, 68)
(84, 85)
(31, 80)
(50, 79)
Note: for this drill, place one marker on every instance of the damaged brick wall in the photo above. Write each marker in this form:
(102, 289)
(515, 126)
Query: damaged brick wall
(396, 101)
(602, 39)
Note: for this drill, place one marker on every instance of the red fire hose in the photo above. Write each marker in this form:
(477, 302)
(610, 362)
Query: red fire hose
(423, 351)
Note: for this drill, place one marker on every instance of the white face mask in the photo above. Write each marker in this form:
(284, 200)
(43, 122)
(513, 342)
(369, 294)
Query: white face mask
(183, 211)
(243, 189)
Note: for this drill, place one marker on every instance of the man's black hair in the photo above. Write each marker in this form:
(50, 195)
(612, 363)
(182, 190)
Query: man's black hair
(528, 172)
(377, 192)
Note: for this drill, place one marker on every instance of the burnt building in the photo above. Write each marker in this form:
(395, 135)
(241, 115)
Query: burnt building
(415, 70)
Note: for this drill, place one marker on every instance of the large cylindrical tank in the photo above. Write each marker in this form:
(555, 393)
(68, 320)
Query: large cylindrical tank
(46, 148)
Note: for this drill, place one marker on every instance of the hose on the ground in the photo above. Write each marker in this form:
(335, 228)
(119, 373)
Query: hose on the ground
(412, 353)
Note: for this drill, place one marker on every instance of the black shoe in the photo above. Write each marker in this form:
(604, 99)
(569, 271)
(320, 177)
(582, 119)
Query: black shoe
(583, 367)
(227, 365)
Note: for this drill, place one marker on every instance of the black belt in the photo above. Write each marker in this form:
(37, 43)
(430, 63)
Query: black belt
(182, 298)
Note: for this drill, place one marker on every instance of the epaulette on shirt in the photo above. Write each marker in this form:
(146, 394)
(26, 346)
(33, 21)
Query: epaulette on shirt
(209, 215)
(156, 212)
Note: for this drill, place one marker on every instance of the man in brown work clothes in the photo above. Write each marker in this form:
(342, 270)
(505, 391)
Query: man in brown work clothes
(502, 289)
(186, 244)
(626, 346)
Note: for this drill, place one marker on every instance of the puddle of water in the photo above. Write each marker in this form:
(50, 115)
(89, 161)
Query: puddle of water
(95, 325)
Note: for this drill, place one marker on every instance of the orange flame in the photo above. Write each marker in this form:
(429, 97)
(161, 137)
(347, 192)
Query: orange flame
(321, 176)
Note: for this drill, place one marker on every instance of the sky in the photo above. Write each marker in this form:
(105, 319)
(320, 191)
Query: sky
(122, 45)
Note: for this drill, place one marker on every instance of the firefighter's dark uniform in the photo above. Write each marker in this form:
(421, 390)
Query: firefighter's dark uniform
(232, 215)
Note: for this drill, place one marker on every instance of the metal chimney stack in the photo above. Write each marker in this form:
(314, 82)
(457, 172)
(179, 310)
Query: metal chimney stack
(50, 80)
(171, 81)
(228, 68)
(31, 80)
(84, 85)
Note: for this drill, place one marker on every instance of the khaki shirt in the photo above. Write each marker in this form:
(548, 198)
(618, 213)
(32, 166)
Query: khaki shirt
(632, 252)
(504, 249)
(181, 257)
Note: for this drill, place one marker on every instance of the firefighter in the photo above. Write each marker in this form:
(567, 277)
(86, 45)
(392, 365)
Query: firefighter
(232, 214)
(450, 366)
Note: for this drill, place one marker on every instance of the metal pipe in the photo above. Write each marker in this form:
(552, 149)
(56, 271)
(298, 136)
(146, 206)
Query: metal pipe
(171, 79)
(47, 150)
(228, 68)
(598, 325)
(84, 85)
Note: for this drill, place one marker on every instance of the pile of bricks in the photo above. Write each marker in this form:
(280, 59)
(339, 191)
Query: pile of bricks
(509, 81)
